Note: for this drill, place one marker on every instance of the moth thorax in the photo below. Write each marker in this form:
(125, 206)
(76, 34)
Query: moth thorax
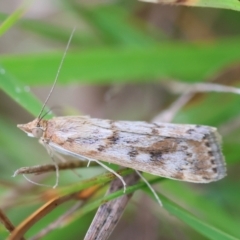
(37, 132)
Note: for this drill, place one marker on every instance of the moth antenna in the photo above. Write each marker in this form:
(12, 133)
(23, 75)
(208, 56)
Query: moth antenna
(58, 71)
(46, 113)
(150, 187)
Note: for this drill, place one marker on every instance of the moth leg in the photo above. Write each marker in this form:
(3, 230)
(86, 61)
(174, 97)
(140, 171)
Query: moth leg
(57, 172)
(115, 173)
(62, 159)
(89, 161)
(35, 183)
(55, 164)
(150, 187)
(51, 153)
(29, 180)
(81, 157)
(110, 170)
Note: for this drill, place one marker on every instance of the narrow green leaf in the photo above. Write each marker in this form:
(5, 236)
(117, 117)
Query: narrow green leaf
(93, 205)
(227, 4)
(114, 24)
(14, 17)
(101, 66)
(210, 203)
(56, 33)
(19, 92)
(201, 226)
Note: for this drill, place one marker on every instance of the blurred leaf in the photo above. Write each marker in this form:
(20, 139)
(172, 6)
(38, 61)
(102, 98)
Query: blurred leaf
(133, 57)
(100, 66)
(56, 33)
(114, 24)
(14, 17)
(206, 202)
(19, 92)
(228, 4)
(202, 227)
(193, 113)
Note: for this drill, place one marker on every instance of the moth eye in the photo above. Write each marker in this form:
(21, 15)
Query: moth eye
(37, 132)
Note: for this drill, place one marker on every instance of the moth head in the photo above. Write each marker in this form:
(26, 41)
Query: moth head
(33, 129)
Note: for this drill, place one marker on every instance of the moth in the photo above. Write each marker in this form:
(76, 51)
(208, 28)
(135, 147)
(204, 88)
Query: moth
(184, 152)
(189, 153)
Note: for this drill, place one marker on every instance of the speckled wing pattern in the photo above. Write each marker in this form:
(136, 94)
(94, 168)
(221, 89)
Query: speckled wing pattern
(178, 151)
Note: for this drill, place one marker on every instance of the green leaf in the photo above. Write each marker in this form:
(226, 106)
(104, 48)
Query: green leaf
(202, 227)
(228, 4)
(14, 17)
(101, 66)
(19, 92)
(114, 24)
(208, 202)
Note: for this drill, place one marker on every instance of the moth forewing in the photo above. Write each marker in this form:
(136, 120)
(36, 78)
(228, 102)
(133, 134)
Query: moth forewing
(183, 152)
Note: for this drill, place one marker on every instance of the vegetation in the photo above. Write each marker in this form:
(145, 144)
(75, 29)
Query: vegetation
(129, 50)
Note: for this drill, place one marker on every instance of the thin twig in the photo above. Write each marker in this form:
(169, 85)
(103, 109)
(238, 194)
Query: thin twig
(169, 114)
(39, 169)
(108, 214)
(187, 92)
(7, 223)
(180, 87)
(104, 218)
(55, 201)
(22, 228)
(57, 223)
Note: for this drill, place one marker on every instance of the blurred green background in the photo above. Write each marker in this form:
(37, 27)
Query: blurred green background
(121, 56)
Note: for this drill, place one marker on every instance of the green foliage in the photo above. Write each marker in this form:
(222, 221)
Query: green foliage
(120, 49)
(228, 4)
